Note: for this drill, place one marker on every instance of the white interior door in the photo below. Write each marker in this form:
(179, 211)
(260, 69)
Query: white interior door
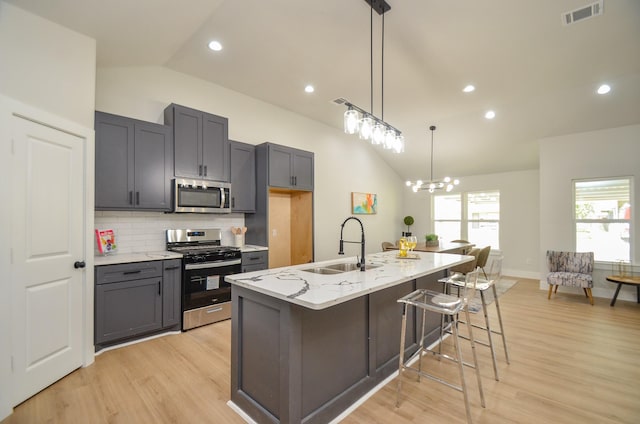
(47, 239)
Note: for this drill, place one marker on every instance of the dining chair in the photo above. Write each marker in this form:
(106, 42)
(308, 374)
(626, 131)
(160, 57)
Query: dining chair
(386, 245)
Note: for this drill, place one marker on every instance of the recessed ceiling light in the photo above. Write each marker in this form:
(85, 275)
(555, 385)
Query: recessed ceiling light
(469, 88)
(604, 89)
(309, 88)
(490, 114)
(215, 46)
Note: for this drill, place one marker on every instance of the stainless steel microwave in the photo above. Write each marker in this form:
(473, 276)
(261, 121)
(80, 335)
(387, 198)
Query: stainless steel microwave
(198, 196)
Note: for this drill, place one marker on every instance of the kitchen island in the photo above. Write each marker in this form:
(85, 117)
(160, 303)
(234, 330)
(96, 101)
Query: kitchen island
(308, 340)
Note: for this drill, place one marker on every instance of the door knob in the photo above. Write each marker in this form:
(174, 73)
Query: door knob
(79, 264)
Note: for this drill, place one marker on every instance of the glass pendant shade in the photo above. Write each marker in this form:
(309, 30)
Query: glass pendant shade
(389, 139)
(351, 121)
(378, 133)
(398, 146)
(366, 128)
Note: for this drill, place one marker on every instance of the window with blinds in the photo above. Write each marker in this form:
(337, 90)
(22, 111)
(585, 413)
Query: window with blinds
(602, 215)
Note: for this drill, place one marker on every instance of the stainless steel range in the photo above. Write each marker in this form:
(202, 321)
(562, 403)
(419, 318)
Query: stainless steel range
(206, 297)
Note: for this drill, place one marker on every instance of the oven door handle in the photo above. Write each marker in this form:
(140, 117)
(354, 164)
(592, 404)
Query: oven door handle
(212, 264)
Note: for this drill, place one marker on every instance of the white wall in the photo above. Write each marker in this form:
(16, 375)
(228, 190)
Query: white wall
(519, 219)
(342, 163)
(596, 154)
(51, 69)
(47, 65)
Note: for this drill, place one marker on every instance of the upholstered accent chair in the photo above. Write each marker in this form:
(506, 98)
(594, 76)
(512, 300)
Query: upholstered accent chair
(571, 269)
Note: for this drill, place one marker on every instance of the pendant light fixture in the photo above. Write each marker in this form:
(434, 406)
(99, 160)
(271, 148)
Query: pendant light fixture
(365, 124)
(447, 183)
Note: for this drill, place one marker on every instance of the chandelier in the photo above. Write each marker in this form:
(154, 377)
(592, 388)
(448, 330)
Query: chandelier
(432, 185)
(365, 124)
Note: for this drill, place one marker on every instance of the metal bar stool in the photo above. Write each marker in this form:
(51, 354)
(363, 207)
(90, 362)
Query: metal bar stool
(449, 306)
(495, 273)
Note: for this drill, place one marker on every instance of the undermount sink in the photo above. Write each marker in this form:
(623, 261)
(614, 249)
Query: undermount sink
(339, 268)
(322, 271)
(350, 267)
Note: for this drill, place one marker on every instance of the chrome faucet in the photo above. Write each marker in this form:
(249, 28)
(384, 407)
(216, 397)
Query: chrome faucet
(361, 261)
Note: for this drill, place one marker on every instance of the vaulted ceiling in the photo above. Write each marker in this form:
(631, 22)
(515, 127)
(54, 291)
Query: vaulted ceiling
(538, 75)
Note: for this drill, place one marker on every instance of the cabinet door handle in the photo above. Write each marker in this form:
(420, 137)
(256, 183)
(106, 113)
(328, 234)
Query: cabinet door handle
(137, 197)
(171, 268)
(291, 179)
(205, 170)
(233, 202)
(295, 181)
(159, 292)
(131, 197)
(132, 272)
(199, 169)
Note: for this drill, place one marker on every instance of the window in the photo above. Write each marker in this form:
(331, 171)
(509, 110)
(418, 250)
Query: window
(470, 216)
(602, 215)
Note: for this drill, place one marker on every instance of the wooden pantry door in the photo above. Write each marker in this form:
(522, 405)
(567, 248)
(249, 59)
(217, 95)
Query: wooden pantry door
(47, 238)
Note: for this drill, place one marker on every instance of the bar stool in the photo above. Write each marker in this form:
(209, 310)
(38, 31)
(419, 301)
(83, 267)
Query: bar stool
(482, 285)
(449, 306)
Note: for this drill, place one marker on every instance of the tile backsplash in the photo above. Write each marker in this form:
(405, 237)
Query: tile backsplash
(146, 231)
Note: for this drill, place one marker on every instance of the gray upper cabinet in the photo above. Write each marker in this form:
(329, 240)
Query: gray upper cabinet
(133, 164)
(243, 177)
(201, 143)
(290, 168)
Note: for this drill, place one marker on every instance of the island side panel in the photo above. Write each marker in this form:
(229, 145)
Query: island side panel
(334, 368)
(258, 379)
(386, 322)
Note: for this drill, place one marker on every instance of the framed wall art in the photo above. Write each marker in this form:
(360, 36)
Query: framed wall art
(364, 203)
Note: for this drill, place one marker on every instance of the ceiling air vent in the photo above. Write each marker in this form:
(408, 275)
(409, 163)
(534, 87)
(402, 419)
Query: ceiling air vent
(340, 101)
(594, 9)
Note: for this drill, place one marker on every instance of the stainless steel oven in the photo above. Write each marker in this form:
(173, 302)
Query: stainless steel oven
(206, 297)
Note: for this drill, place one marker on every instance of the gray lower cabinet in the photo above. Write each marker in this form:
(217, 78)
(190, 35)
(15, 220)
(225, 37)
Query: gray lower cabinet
(136, 299)
(243, 177)
(171, 292)
(134, 164)
(255, 261)
(201, 143)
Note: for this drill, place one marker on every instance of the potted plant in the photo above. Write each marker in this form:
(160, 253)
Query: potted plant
(431, 240)
(408, 221)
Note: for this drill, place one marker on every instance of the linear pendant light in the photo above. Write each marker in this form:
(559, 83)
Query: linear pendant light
(365, 124)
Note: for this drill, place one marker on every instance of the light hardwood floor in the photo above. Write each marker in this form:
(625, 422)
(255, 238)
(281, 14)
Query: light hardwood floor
(570, 363)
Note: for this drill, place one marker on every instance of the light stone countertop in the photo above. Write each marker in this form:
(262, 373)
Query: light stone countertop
(122, 258)
(320, 291)
(252, 248)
